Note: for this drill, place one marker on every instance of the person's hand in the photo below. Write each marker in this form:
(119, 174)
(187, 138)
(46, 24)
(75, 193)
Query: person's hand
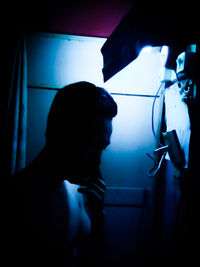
(94, 192)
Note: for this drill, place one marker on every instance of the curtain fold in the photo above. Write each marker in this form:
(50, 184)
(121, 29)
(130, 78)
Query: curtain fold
(16, 116)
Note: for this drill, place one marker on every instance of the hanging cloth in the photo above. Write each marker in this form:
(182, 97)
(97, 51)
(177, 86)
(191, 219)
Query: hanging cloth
(16, 116)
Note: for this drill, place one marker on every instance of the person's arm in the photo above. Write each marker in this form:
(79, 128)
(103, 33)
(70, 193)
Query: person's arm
(95, 204)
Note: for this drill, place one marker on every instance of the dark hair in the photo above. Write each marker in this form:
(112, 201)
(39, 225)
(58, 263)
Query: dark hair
(78, 105)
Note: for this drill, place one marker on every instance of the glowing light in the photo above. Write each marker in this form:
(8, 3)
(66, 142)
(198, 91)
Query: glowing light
(146, 49)
(164, 54)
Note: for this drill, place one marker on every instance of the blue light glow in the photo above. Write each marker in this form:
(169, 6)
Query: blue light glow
(60, 60)
(164, 54)
(146, 49)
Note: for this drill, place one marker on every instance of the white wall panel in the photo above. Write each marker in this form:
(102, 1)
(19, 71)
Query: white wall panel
(124, 162)
(57, 60)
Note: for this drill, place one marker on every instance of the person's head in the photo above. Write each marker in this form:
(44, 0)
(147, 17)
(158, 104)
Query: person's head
(79, 127)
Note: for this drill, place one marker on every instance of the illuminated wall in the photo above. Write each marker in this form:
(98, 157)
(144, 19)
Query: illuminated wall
(57, 60)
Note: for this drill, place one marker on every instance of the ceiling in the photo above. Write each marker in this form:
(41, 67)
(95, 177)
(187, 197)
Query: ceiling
(78, 17)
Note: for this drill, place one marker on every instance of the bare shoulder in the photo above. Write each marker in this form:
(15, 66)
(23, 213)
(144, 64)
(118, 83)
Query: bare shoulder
(79, 216)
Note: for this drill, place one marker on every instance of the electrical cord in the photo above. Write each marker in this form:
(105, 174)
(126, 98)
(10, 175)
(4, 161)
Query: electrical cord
(161, 147)
(152, 115)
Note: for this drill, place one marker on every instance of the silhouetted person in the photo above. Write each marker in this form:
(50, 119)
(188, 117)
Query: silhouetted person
(48, 224)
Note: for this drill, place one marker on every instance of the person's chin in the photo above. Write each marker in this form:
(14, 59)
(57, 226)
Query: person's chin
(79, 177)
(78, 180)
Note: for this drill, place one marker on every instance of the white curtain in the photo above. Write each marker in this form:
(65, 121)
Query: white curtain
(16, 117)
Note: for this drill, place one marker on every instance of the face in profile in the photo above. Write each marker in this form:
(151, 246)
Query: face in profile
(86, 153)
(78, 129)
